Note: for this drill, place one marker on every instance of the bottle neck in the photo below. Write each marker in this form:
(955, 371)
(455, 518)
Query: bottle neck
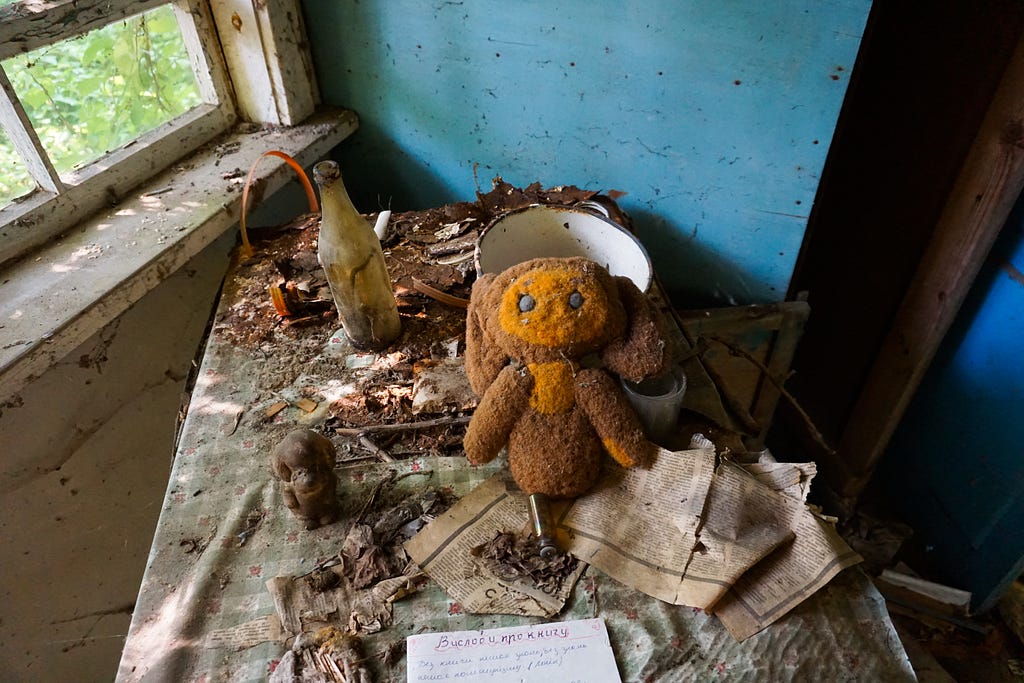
(335, 201)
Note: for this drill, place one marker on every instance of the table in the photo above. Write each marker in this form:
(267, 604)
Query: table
(223, 531)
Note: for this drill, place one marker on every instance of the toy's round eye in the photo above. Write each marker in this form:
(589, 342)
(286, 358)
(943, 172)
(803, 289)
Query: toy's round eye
(526, 303)
(575, 300)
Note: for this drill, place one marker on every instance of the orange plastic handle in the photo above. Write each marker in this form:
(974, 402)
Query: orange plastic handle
(314, 206)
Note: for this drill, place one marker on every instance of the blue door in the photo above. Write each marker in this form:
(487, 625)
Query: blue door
(955, 466)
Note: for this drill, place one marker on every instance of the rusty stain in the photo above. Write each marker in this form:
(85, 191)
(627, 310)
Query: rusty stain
(236, 21)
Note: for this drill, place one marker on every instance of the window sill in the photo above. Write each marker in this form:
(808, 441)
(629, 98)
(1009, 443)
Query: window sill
(57, 297)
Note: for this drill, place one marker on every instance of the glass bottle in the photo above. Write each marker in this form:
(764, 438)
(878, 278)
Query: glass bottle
(350, 254)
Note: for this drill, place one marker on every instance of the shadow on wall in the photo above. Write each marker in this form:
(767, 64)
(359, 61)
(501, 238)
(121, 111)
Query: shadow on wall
(380, 174)
(718, 280)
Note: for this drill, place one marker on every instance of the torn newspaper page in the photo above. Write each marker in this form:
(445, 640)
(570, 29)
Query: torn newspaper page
(726, 540)
(443, 549)
(302, 607)
(790, 478)
(677, 530)
(251, 633)
(787, 577)
(538, 653)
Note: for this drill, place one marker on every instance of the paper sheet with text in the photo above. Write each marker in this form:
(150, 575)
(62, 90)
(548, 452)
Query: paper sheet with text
(563, 651)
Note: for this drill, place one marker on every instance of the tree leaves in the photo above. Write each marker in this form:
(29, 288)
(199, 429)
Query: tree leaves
(92, 94)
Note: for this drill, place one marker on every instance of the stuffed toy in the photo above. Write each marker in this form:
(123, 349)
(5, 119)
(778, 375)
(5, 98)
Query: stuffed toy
(536, 336)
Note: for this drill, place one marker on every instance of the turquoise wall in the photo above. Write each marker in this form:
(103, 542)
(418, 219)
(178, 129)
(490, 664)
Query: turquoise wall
(715, 117)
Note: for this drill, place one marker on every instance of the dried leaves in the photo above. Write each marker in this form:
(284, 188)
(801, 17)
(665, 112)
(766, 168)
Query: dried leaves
(512, 557)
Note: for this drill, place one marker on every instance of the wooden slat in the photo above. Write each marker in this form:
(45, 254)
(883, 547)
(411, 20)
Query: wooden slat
(199, 35)
(22, 135)
(779, 361)
(27, 26)
(291, 73)
(989, 183)
(239, 31)
(768, 334)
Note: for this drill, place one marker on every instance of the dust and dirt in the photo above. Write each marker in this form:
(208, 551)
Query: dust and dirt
(283, 311)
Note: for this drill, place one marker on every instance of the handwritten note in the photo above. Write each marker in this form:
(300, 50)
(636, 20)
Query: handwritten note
(571, 651)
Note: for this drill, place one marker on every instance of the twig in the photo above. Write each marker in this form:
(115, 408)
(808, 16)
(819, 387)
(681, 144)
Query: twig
(729, 402)
(434, 293)
(733, 404)
(375, 449)
(373, 495)
(402, 426)
(452, 246)
(804, 417)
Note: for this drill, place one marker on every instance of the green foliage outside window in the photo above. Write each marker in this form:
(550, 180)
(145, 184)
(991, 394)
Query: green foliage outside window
(92, 94)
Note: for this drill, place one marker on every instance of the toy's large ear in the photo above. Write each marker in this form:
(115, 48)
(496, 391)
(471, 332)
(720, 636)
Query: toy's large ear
(484, 358)
(644, 349)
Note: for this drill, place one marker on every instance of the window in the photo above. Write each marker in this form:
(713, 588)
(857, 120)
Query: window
(98, 95)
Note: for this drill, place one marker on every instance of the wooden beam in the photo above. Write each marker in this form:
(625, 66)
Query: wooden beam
(289, 64)
(989, 183)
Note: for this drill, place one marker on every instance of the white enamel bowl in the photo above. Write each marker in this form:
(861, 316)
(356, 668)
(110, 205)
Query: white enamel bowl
(542, 230)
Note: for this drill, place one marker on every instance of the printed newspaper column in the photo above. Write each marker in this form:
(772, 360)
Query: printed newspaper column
(679, 531)
(442, 551)
(639, 525)
(787, 577)
(743, 522)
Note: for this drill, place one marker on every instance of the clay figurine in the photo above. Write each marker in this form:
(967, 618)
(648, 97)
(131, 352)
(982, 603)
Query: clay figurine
(304, 462)
(529, 331)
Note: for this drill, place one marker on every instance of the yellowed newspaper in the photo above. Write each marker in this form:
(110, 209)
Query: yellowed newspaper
(787, 577)
(443, 551)
(678, 530)
(689, 529)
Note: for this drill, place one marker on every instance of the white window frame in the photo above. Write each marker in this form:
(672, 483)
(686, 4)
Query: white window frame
(249, 61)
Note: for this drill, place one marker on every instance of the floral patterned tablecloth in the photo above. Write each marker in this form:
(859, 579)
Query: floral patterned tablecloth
(223, 533)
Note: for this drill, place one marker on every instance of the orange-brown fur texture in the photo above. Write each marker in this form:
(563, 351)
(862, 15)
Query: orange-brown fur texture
(527, 333)
(304, 461)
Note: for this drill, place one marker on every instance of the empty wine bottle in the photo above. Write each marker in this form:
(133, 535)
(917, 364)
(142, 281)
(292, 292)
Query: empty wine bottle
(352, 258)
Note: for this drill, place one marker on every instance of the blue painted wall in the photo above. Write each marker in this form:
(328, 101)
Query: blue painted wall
(714, 116)
(956, 463)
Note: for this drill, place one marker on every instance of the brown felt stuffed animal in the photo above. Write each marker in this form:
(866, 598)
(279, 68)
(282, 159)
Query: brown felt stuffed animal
(528, 331)
(304, 462)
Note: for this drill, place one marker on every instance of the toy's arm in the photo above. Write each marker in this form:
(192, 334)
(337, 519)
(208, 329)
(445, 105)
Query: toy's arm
(484, 359)
(644, 349)
(499, 409)
(612, 417)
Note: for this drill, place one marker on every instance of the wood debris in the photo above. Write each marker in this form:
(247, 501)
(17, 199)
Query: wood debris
(282, 294)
